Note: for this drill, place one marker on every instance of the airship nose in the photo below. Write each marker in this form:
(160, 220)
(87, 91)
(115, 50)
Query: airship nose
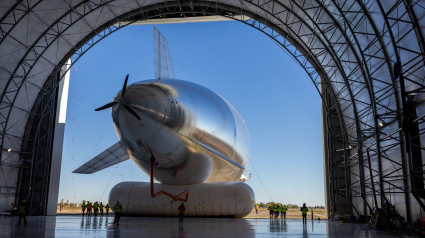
(146, 100)
(150, 103)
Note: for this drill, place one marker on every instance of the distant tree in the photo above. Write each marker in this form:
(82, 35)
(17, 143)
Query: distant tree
(262, 205)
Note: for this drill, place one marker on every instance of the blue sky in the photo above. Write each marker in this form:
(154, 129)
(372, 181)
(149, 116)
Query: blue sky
(273, 94)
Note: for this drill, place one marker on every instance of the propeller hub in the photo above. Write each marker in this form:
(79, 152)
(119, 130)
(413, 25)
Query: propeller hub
(121, 102)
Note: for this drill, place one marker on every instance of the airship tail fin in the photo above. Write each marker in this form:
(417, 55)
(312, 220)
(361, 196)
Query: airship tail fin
(111, 156)
(163, 68)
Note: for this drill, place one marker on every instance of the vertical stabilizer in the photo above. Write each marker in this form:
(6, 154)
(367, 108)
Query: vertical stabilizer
(163, 69)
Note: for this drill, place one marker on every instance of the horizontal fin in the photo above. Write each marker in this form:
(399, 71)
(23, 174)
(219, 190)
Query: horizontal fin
(111, 156)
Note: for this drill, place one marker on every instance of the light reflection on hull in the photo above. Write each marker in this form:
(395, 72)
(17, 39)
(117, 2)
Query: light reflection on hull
(195, 134)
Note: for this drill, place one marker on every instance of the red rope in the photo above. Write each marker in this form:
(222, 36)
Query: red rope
(175, 198)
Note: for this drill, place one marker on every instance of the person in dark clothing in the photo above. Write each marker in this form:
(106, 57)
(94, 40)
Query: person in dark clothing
(95, 208)
(22, 211)
(13, 210)
(107, 209)
(304, 211)
(181, 209)
(117, 210)
(101, 208)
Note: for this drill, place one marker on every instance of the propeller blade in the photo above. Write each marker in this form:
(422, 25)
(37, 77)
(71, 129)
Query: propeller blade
(131, 111)
(106, 106)
(124, 86)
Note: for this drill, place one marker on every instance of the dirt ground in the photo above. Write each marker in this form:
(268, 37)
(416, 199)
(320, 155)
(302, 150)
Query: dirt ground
(292, 213)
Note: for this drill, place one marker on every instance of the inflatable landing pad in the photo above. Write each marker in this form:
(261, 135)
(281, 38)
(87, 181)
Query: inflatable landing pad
(230, 199)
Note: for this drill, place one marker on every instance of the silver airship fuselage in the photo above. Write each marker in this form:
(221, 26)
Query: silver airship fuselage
(195, 135)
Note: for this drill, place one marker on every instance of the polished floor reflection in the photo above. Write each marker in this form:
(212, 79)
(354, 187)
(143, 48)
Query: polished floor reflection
(102, 226)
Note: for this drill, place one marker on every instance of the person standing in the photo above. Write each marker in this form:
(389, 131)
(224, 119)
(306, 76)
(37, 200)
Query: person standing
(181, 209)
(89, 208)
(304, 211)
(117, 210)
(256, 208)
(284, 209)
(22, 211)
(107, 209)
(101, 208)
(83, 207)
(13, 210)
(276, 210)
(271, 210)
(279, 210)
(95, 208)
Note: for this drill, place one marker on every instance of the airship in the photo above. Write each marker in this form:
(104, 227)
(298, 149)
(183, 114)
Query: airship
(192, 143)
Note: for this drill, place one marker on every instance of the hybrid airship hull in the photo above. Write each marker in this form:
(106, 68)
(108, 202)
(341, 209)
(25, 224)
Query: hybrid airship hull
(183, 135)
(195, 135)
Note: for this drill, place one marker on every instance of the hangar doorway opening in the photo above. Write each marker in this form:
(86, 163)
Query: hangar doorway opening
(273, 94)
(365, 61)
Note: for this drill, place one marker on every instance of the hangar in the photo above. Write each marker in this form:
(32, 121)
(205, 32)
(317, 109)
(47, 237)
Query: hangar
(366, 59)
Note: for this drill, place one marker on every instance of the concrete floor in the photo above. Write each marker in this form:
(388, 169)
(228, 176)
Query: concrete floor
(77, 226)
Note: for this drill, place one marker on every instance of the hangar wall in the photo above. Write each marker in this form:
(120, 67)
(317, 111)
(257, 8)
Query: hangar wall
(349, 48)
(57, 144)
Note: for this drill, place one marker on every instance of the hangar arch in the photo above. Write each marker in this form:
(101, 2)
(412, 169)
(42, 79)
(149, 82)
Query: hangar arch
(349, 48)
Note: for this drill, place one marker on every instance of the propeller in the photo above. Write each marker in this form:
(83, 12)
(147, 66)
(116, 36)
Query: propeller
(124, 87)
(106, 106)
(131, 111)
(127, 107)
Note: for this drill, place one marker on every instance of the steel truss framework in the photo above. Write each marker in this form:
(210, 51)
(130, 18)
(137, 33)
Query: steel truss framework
(347, 47)
(34, 169)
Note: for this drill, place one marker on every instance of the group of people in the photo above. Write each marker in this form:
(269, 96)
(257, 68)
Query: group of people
(98, 207)
(276, 208)
(20, 210)
(118, 210)
(94, 208)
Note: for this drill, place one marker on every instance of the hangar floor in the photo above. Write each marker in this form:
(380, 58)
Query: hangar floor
(77, 226)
